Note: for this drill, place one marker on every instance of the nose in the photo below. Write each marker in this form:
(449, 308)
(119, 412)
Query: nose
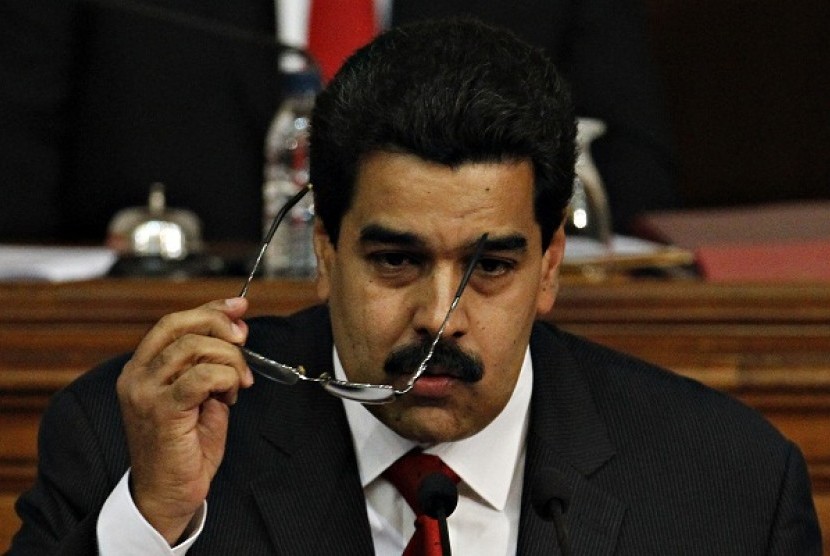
(436, 293)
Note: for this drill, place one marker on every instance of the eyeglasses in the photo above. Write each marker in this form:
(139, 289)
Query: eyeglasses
(357, 391)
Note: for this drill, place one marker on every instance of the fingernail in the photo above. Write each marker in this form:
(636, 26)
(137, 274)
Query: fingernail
(234, 302)
(237, 331)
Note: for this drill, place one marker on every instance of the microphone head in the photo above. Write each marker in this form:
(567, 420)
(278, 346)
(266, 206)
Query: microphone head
(438, 495)
(550, 489)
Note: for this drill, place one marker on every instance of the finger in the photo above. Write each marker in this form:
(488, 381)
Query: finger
(140, 385)
(191, 350)
(204, 381)
(177, 358)
(219, 319)
(234, 307)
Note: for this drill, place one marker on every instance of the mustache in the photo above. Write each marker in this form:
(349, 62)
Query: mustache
(448, 357)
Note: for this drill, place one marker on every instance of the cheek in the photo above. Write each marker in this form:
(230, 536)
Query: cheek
(502, 341)
(508, 320)
(368, 324)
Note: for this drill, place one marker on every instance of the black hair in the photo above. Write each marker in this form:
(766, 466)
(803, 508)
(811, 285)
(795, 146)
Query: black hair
(450, 91)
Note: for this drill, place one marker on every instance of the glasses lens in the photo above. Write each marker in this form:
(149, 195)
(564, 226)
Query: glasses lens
(269, 368)
(363, 393)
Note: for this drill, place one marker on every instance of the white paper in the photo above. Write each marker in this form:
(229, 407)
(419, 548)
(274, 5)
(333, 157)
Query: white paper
(54, 264)
(579, 249)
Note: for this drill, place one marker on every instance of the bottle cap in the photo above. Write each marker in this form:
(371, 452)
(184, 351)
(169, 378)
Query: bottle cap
(300, 82)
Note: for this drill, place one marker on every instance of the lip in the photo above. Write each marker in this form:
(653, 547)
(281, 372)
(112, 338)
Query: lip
(434, 386)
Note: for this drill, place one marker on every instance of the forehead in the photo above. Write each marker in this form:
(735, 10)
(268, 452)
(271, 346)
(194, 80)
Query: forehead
(407, 193)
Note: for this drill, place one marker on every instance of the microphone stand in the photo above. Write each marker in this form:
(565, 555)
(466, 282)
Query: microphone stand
(550, 498)
(562, 536)
(444, 531)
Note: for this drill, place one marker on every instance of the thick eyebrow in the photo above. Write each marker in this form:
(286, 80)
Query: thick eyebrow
(376, 233)
(512, 242)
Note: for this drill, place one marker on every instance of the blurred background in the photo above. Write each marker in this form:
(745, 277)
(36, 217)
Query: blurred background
(747, 88)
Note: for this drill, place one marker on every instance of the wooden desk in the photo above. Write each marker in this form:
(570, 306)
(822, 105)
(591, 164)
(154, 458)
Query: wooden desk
(768, 345)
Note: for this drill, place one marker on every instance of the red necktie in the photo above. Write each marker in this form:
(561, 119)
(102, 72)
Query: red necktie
(406, 474)
(337, 28)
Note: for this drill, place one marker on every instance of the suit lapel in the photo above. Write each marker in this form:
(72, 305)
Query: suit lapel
(312, 502)
(567, 435)
(310, 495)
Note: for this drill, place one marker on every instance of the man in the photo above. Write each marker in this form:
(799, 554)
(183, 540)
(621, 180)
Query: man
(430, 137)
(101, 98)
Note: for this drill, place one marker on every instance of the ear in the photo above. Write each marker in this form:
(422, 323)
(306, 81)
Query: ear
(325, 253)
(549, 279)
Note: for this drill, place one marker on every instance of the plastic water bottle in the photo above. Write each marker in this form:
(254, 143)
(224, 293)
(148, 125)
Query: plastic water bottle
(286, 171)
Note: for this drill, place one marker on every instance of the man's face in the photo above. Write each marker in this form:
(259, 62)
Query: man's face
(404, 245)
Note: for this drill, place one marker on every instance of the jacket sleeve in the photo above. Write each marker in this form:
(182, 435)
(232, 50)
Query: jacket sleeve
(795, 529)
(59, 513)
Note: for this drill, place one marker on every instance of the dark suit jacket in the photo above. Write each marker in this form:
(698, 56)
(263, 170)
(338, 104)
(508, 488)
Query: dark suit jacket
(658, 464)
(98, 100)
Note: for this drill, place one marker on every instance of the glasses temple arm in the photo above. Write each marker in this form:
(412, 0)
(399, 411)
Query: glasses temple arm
(267, 241)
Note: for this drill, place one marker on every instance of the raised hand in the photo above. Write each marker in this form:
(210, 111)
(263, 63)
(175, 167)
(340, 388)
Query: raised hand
(175, 395)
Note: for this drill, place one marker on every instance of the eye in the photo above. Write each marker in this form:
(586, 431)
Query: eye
(393, 262)
(494, 267)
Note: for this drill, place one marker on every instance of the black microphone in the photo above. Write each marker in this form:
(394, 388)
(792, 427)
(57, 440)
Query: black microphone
(550, 498)
(438, 496)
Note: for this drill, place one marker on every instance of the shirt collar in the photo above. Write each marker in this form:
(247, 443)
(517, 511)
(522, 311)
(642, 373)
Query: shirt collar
(377, 447)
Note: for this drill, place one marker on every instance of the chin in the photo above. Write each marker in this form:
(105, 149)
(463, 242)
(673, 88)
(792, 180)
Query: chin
(426, 425)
